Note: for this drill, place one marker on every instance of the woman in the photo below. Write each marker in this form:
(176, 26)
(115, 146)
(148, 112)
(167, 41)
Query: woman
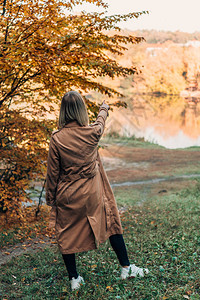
(84, 210)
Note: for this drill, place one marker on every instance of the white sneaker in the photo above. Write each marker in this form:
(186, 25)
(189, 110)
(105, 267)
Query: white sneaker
(76, 282)
(133, 271)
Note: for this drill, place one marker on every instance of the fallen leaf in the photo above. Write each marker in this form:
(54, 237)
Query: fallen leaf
(109, 288)
(93, 266)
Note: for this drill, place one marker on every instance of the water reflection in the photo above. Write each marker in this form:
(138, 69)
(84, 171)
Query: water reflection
(172, 121)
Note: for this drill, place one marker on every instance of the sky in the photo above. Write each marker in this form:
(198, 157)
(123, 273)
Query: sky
(168, 15)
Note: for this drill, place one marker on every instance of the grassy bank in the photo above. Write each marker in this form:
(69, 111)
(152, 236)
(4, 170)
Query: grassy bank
(135, 160)
(137, 142)
(128, 141)
(161, 233)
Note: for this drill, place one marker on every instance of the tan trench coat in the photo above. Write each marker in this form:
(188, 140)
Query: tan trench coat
(84, 210)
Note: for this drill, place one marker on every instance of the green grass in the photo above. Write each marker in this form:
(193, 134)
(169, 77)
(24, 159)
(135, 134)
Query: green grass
(162, 234)
(192, 148)
(12, 236)
(129, 142)
(187, 170)
(138, 142)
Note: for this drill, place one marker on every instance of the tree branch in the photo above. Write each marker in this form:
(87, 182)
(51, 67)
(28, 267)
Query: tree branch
(4, 8)
(21, 81)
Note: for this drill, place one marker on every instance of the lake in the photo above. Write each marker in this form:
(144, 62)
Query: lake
(170, 121)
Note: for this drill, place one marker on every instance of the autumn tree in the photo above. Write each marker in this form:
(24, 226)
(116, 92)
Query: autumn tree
(192, 67)
(163, 69)
(46, 50)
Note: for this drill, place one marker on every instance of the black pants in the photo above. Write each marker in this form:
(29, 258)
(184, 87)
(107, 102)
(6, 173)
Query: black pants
(118, 245)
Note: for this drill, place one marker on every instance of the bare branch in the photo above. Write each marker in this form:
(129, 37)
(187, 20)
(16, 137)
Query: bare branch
(4, 7)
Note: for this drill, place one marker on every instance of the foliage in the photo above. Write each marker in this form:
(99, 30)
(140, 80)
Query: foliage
(45, 51)
(165, 69)
(53, 51)
(22, 141)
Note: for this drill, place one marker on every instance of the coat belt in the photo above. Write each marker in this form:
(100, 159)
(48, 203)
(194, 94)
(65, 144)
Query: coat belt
(78, 175)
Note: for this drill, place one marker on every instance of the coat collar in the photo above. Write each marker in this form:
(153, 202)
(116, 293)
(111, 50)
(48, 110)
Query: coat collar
(72, 124)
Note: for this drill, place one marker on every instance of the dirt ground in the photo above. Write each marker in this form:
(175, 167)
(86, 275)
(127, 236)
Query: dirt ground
(124, 163)
(7, 253)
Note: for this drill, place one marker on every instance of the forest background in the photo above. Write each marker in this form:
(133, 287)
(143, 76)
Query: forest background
(168, 63)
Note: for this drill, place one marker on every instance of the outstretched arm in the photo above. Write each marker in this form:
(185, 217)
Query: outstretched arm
(99, 124)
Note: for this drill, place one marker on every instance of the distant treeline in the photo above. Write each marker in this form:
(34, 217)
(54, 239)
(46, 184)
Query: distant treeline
(165, 67)
(154, 36)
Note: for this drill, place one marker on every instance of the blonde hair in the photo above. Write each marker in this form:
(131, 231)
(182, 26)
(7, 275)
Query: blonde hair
(72, 108)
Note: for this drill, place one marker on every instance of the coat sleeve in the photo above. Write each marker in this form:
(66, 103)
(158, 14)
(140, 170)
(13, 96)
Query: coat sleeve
(99, 124)
(53, 171)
